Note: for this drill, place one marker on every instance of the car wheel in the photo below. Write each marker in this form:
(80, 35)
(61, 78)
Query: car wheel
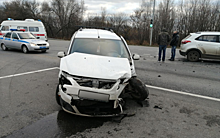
(4, 47)
(25, 49)
(193, 56)
(57, 96)
(140, 91)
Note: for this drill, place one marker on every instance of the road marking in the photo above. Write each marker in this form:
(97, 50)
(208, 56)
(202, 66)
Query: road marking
(154, 87)
(31, 72)
(184, 93)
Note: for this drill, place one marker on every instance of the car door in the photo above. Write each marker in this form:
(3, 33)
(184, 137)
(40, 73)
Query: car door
(208, 44)
(7, 39)
(15, 41)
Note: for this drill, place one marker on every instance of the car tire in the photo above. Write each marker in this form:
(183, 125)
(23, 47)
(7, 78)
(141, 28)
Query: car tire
(4, 48)
(193, 56)
(25, 49)
(57, 96)
(140, 91)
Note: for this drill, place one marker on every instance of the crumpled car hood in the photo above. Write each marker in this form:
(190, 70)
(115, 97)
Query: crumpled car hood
(94, 66)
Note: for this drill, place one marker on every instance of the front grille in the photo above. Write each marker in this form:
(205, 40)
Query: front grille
(94, 83)
(41, 44)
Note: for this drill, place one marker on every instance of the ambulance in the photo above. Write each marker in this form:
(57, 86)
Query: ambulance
(36, 27)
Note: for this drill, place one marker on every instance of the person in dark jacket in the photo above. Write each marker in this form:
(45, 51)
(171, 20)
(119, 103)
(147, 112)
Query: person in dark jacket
(163, 40)
(174, 43)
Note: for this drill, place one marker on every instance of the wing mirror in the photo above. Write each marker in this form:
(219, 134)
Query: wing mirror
(61, 54)
(136, 57)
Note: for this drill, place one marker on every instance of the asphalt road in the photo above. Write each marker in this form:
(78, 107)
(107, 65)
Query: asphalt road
(28, 107)
(201, 77)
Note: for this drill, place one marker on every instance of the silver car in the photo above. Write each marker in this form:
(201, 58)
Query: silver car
(24, 41)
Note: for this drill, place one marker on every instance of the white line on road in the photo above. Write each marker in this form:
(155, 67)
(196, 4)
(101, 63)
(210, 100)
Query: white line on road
(154, 87)
(184, 93)
(31, 72)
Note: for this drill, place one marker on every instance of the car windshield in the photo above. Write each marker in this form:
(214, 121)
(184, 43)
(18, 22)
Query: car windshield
(103, 47)
(26, 36)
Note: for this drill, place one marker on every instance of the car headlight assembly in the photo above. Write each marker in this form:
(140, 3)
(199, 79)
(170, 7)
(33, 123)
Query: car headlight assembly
(63, 79)
(33, 44)
(47, 44)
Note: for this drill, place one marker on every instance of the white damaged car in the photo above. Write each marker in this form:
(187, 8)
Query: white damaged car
(96, 73)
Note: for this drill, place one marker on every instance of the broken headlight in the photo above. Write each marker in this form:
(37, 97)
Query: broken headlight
(63, 79)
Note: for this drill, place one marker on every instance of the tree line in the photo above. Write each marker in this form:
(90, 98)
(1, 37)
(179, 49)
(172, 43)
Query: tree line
(63, 17)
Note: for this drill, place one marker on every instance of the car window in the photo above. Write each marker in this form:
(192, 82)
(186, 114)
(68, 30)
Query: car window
(14, 36)
(104, 47)
(207, 38)
(8, 35)
(5, 28)
(34, 29)
(23, 27)
(26, 36)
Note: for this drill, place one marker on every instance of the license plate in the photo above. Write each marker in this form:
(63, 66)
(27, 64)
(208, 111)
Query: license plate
(93, 96)
(42, 47)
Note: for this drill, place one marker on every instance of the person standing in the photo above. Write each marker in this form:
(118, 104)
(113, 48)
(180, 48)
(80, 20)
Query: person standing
(163, 40)
(174, 43)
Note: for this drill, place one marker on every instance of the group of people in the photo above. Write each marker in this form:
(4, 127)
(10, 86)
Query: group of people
(163, 41)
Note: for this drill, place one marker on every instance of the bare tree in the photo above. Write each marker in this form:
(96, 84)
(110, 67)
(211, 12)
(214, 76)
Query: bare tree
(61, 17)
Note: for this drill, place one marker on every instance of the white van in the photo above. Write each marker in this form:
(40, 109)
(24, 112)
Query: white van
(36, 27)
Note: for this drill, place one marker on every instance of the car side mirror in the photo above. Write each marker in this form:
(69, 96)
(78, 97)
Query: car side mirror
(136, 57)
(61, 54)
(38, 37)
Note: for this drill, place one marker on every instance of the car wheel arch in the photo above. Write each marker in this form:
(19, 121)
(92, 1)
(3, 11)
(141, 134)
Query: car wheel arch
(200, 53)
(4, 48)
(22, 48)
(23, 45)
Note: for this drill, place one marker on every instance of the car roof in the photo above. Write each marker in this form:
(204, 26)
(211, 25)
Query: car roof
(17, 32)
(96, 33)
(20, 32)
(22, 23)
(207, 33)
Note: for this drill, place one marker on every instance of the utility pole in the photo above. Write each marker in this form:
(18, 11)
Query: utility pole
(151, 25)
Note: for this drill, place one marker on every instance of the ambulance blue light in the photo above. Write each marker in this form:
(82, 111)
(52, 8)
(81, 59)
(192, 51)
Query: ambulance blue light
(39, 20)
(10, 19)
(13, 29)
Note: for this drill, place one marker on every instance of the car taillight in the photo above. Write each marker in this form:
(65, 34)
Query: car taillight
(185, 41)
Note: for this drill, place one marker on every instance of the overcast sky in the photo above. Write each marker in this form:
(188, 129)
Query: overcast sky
(112, 6)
